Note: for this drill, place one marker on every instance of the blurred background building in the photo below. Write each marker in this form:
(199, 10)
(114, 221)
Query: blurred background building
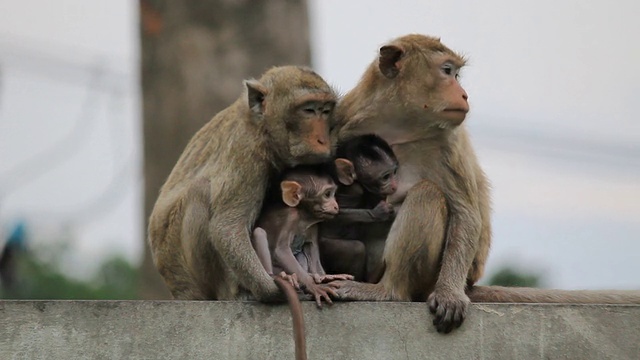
(553, 88)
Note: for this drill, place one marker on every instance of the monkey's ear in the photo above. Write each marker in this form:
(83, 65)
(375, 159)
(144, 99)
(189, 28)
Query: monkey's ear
(291, 193)
(345, 170)
(256, 93)
(388, 60)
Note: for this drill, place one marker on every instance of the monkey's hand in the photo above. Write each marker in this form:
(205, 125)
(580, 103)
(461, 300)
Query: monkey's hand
(291, 279)
(449, 308)
(321, 292)
(383, 211)
(321, 279)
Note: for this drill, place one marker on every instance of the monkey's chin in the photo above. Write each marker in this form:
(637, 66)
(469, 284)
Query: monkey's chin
(326, 216)
(453, 118)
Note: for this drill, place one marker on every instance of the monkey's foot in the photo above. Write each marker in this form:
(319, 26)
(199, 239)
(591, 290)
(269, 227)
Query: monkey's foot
(320, 279)
(449, 308)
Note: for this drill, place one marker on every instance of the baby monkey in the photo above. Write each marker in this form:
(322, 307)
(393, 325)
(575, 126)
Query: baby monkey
(366, 170)
(286, 235)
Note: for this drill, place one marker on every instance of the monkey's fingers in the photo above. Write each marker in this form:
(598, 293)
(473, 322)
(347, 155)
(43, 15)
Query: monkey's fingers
(449, 311)
(319, 296)
(324, 279)
(294, 280)
(291, 279)
(343, 277)
(332, 285)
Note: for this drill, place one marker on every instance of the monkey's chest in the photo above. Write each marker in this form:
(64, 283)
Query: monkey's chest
(297, 244)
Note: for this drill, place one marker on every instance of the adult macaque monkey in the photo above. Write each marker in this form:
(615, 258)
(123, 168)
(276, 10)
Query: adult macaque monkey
(199, 229)
(438, 244)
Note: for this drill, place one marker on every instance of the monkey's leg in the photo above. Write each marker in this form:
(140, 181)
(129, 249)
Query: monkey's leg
(343, 257)
(412, 251)
(415, 244)
(200, 256)
(168, 231)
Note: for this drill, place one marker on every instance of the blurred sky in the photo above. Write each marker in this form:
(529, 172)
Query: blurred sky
(553, 87)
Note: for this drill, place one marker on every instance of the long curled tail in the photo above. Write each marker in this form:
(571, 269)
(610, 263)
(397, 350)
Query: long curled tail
(500, 294)
(296, 316)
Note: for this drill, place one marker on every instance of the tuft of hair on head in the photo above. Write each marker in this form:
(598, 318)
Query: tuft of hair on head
(367, 146)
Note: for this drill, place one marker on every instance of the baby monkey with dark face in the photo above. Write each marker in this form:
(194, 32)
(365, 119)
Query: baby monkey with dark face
(366, 170)
(286, 235)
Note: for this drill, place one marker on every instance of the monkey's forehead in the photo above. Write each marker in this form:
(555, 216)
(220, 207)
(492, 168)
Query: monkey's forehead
(429, 46)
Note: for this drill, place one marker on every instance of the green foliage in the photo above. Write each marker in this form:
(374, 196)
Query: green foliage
(116, 279)
(508, 276)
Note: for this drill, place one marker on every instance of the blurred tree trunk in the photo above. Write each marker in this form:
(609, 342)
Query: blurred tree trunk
(195, 54)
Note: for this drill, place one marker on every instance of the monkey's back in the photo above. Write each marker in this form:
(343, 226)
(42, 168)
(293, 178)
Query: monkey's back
(217, 163)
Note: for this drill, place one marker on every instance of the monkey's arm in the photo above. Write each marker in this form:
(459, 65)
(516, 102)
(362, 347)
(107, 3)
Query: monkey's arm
(448, 300)
(382, 212)
(261, 246)
(484, 243)
(229, 229)
(355, 215)
(282, 254)
(312, 250)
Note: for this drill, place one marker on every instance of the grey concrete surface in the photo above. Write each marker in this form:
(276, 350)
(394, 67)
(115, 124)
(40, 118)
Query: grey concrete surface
(247, 330)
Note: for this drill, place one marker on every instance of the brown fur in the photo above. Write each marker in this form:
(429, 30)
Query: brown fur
(199, 227)
(439, 243)
(441, 235)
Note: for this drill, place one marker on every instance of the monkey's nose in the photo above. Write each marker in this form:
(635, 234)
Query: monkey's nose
(465, 96)
(322, 141)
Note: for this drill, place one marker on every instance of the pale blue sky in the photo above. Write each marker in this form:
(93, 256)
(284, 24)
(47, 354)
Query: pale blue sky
(553, 88)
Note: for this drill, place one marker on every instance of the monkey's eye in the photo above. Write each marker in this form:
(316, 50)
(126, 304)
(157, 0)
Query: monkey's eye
(309, 111)
(386, 177)
(327, 194)
(326, 111)
(449, 69)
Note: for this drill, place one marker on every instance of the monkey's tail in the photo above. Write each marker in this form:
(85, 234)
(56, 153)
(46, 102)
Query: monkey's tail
(296, 316)
(501, 294)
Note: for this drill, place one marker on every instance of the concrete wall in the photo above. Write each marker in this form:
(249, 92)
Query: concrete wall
(246, 330)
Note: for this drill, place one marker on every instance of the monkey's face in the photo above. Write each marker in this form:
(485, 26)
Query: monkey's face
(425, 82)
(449, 103)
(320, 199)
(293, 106)
(307, 126)
(437, 98)
(378, 177)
